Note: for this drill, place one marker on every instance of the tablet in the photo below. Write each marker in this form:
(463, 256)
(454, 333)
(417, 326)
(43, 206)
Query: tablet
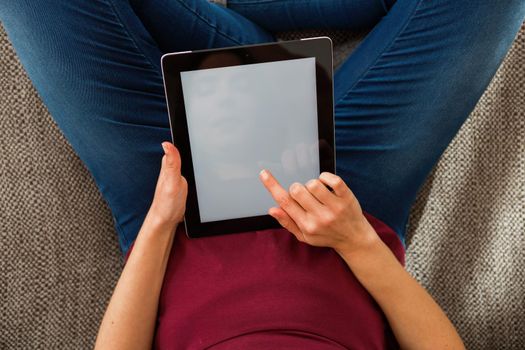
(234, 111)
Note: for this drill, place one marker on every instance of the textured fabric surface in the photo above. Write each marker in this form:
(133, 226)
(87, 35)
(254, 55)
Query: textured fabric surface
(465, 236)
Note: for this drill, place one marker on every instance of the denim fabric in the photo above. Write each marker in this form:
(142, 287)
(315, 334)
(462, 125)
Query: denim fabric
(401, 96)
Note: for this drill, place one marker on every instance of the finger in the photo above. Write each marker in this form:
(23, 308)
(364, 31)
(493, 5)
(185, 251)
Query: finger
(304, 198)
(281, 196)
(336, 183)
(172, 157)
(286, 221)
(318, 189)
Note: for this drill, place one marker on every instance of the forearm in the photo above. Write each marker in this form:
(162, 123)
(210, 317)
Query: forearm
(415, 318)
(129, 321)
(324, 218)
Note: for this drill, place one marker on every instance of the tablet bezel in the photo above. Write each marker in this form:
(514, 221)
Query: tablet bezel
(174, 63)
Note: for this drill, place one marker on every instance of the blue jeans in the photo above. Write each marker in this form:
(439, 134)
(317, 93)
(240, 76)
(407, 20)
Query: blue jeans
(401, 96)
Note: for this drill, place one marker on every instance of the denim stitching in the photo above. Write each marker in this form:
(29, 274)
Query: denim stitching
(409, 18)
(140, 52)
(211, 25)
(125, 241)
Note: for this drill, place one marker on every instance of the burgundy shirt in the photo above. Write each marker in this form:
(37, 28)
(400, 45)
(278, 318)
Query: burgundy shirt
(265, 289)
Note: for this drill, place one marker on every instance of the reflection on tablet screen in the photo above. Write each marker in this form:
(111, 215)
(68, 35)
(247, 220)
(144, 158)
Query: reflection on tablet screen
(245, 118)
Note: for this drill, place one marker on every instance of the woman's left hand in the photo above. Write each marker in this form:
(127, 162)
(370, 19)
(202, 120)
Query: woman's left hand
(319, 217)
(169, 200)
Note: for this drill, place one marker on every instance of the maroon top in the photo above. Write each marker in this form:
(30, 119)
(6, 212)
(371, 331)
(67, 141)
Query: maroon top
(264, 289)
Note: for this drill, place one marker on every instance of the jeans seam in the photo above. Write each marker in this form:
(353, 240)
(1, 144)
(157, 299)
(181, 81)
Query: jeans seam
(358, 80)
(130, 36)
(211, 25)
(124, 238)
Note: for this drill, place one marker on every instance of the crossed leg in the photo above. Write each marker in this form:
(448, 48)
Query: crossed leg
(97, 69)
(405, 91)
(400, 97)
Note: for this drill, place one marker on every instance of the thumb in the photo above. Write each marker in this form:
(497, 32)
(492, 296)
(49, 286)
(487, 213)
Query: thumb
(171, 160)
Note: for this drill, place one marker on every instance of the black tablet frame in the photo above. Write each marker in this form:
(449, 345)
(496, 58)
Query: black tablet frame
(174, 63)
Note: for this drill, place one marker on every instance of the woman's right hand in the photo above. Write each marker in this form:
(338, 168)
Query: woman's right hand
(319, 217)
(169, 200)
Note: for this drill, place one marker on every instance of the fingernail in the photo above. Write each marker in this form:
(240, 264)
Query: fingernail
(164, 148)
(264, 174)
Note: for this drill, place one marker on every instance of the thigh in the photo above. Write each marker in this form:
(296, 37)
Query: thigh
(405, 91)
(283, 15)
(97, 69)
(178, 25)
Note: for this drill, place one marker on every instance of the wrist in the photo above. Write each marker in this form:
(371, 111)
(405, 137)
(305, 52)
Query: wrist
(365, 240)
(158, 223)
(155, 234)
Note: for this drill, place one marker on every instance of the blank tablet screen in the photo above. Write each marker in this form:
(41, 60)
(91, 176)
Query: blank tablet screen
(242, 119)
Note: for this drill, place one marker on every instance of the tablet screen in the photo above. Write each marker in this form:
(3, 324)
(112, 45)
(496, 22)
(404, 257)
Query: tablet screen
(242, 119)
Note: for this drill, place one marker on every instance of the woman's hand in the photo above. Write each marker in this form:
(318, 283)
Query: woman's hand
(169, 200)
(136, 295)
(319, 217)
